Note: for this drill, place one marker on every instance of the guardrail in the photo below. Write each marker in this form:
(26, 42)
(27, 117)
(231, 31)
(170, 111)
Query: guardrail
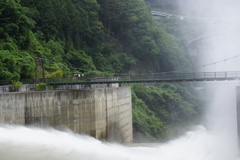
(138, 78)
(195, 76)
(22, 88)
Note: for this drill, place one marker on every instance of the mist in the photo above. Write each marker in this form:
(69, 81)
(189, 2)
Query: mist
(23, 143)
(220, 52)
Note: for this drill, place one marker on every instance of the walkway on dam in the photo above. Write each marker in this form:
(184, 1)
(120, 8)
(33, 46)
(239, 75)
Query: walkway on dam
(167, 77)
(150, 78)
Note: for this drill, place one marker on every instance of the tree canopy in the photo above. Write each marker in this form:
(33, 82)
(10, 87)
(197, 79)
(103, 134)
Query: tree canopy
(114, 36)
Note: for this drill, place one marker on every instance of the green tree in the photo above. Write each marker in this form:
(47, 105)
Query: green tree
(174, 105)
(15, 26)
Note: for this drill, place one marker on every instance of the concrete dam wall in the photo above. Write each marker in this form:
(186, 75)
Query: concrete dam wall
(103, 113)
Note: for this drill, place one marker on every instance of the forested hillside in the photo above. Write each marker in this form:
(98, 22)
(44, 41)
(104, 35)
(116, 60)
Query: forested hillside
(109, 36)
(105, 35)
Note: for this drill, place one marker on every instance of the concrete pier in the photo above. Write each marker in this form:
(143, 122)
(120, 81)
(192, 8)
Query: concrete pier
(103, 113)
(238, 115)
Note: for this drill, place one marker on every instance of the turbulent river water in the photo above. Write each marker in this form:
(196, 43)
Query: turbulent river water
(21, 143)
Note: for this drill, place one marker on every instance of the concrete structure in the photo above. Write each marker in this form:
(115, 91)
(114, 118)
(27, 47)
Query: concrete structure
(103, 113)
(238, 116)
(111, 85)
(22, 88)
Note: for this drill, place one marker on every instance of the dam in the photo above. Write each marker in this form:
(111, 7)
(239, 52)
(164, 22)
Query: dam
(103, 113)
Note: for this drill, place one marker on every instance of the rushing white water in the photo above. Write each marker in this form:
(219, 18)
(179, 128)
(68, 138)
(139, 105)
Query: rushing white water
(215, 140)
(23, 143)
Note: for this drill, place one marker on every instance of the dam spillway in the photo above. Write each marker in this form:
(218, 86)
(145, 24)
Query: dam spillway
(103, 113)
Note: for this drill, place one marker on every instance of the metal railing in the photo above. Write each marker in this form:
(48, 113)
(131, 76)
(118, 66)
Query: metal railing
(195, 76)
(136, 78)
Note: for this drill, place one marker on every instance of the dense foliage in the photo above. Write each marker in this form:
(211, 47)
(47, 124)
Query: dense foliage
(164, 111)
(111, 36)
(106, 35)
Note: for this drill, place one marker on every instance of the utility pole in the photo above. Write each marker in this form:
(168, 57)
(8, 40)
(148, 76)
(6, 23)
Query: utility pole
(43, 75)
(36, 69)
(37, 60)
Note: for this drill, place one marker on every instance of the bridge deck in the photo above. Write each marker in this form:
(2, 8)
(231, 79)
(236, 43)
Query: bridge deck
(152, 78)
(138, 78)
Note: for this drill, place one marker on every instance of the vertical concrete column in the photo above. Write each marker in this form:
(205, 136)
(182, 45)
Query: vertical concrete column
(100, 109)
(238, 114)
(119, 115)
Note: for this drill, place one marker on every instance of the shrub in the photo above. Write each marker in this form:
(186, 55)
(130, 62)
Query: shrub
(41, 87)
(15, 86)
(55, 74)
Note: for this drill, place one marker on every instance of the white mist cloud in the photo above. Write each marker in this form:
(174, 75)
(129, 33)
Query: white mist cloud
(221, 17)
(37, 144)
